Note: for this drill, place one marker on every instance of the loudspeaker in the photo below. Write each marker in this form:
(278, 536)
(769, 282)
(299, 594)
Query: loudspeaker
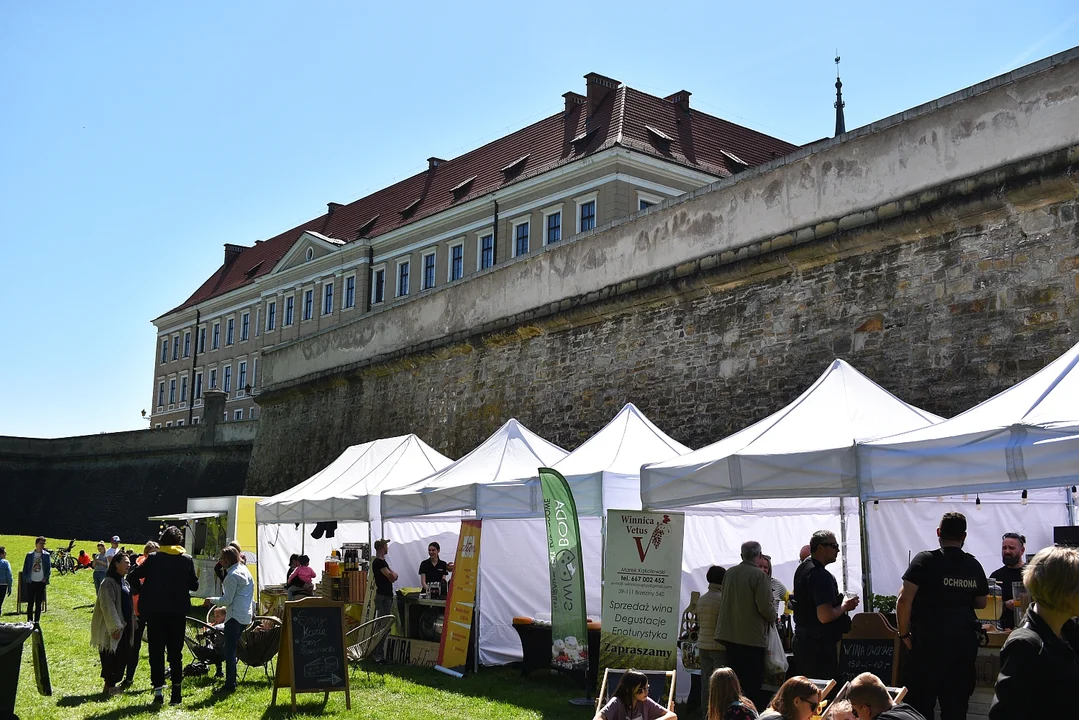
(1066, 535)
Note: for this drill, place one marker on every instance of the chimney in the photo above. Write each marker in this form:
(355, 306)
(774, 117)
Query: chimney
(433, 162)
(681, 99)
(331, 206)
(232, 252)
(573, 100)
(598, 88)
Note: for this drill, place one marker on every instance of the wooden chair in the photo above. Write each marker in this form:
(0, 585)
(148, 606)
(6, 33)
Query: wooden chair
(660, 686)
(362, 640)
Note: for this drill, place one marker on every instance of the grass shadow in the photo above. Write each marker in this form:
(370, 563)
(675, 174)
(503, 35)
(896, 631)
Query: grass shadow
(76, 700)
(124, 712)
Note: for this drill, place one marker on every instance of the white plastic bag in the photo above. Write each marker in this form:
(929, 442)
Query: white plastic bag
(775, 662)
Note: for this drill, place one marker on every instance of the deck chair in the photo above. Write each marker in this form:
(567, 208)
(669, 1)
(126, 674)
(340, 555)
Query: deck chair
(660, 686)
(362, 640)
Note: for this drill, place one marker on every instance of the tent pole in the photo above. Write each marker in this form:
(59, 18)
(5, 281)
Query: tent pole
(257, 573)
(843, 539)
(867, 575)
(1071, 505)
(303, 538)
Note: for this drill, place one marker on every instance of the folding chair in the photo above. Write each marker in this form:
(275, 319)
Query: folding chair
(660, 686)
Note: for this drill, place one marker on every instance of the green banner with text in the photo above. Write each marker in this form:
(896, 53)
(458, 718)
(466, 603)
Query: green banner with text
(569, 624)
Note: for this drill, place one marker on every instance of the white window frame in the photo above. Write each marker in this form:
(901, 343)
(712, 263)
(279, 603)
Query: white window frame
(172, 392)
(648, 198)
(271, 315)
(183, 390)
(327, 293)
(160, 394)
(175, 347)
(423, 269)
(197, 420)
(258, 320)
(553, 210)
(397, 277)
(241, 378)
(345, 304)
(186, 351)
(168, 423)
(449, 260)
(526, 220)
(245, 325)
(200, 345)
(164, 350)
(215, 336)
(374, 284)
(584, 200)
(180, 422)
(157, 426)
(489, 232)
(212, 378)
(230, 330)
(238, 414)
(254, 372)
(289, 321)
(226, 379)
(196, 389)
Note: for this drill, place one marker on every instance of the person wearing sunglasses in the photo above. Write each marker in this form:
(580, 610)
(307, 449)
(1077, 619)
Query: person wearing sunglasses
(1013, 547)
(869, 700)
(935, 619)
(631, 702)
(820, 612)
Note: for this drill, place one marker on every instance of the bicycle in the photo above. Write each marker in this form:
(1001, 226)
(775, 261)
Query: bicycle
(62, 560)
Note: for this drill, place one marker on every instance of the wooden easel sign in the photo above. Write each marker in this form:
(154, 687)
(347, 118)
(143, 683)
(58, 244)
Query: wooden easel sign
(312, 655)
(872, 645)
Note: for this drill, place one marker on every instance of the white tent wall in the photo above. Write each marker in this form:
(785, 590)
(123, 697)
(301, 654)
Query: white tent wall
(409, 538)
(515, 580)
(900, 529)
(277, 541)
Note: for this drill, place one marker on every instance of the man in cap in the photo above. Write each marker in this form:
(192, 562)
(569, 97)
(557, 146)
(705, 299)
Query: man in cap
(114, 549)
(384, 580)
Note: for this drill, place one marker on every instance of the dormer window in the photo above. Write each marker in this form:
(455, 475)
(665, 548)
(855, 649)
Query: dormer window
(410, 208)
(660, 139)
(366, 227)
(736, 164)
(515, 167)
(461, 189)
(583, 138)
(253, 269)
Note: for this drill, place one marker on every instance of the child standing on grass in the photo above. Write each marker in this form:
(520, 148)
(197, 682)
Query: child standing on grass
(6, 581)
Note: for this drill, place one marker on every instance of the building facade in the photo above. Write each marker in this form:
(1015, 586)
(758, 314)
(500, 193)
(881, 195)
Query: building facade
(611, 153)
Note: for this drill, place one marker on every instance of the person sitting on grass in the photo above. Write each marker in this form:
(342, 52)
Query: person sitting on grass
(631, 702)
(796, 699)
(83, 561)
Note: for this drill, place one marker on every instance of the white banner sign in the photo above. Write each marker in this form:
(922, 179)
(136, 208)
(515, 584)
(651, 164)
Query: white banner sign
(642, 575)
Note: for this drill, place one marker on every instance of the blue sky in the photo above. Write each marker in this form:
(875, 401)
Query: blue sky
(137, 138)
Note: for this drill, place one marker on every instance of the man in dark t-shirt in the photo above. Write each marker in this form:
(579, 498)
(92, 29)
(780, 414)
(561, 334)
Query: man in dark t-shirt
(935, 613)
(1013, 548)
(384, 580)
(819, 610)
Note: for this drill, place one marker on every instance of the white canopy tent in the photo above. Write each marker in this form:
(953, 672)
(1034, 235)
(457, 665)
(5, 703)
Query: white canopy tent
(346, 491)
(604, 472)
(807, 449)
(511, 454)
(1025, 437)
(512, 552)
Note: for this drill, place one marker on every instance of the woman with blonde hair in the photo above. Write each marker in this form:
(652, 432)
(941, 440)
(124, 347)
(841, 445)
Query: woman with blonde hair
(796, 699)
(1039, 663)
(725, 698)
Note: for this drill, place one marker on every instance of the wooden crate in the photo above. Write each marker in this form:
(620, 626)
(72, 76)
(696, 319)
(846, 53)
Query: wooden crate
(356, 583)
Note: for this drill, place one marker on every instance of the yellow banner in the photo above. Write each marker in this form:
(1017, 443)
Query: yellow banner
(457, 626)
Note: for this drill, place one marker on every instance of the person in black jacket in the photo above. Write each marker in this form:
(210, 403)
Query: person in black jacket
(166, 580)
(1039, 663)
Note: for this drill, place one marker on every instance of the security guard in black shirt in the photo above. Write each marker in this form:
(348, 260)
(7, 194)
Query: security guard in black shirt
(935, 613)
(819, 610)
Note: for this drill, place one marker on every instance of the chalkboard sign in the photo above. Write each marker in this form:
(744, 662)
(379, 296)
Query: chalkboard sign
(872, 645)
(874, 656)
(312, 654)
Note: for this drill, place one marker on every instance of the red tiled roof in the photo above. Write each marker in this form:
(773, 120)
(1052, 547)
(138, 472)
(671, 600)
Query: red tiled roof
(623, 118)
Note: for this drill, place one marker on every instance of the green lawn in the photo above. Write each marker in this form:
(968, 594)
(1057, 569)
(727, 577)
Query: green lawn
(408, 693)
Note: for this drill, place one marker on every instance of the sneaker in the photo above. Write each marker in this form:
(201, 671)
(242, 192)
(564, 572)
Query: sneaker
(175, 699)
(159, 698)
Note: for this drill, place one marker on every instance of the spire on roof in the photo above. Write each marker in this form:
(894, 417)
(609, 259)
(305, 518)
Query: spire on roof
(840, 123)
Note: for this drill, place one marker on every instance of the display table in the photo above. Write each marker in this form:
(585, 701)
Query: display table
(536, 643)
